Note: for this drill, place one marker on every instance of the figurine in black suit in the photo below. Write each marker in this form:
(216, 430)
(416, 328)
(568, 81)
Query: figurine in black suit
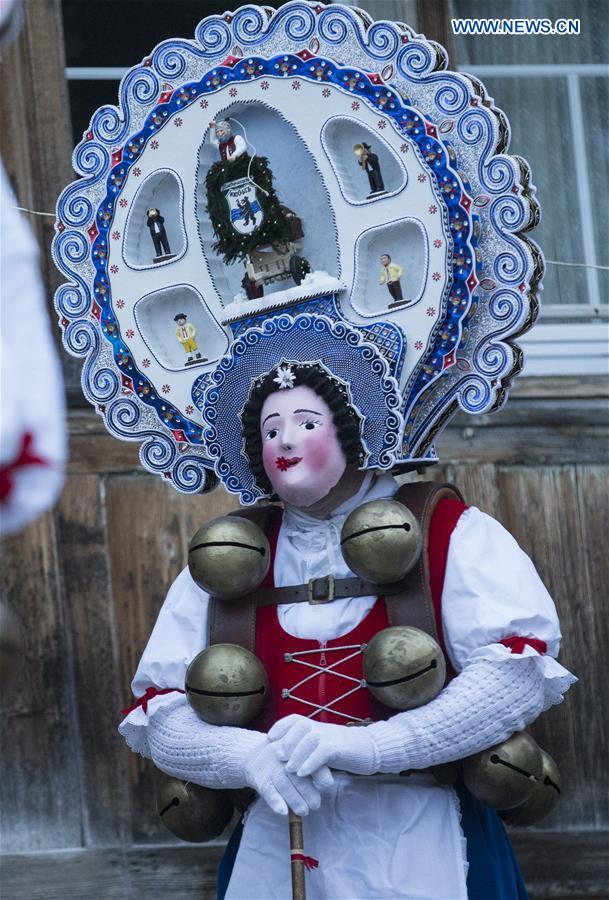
(155, 223)
(369, 162)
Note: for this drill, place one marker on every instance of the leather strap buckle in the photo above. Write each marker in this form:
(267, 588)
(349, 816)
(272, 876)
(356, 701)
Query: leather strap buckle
(321, 590)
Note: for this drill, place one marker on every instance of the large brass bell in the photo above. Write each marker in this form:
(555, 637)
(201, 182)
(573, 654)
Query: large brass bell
(191, 812)
(506, 775)
(381, 541)
(227, 685)
(542, 801)
(229, 557)
(404, 667)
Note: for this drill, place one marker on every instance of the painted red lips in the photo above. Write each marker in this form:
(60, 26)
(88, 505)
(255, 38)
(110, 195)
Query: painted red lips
(284, 464)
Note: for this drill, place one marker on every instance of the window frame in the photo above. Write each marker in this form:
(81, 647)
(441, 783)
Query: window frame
(569, 339)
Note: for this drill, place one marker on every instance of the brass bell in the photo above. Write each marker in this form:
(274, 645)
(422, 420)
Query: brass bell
(229, 557)
(542, 801)
(191, 812)
(381, 541)
(506, 775)
(11, 644)
(227, 685)
(404, 667)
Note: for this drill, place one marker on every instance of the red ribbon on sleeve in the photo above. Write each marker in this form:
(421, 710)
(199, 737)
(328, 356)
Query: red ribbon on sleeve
(309, 861)
(148, 695)
(517, 644)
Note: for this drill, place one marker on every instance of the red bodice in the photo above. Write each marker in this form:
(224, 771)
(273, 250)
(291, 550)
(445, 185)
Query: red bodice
(325, 680)
(318, 679)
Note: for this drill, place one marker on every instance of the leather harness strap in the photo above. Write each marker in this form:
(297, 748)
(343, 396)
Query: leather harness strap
(413, 605)
(408, 602)
(324, 590)
(234, 621)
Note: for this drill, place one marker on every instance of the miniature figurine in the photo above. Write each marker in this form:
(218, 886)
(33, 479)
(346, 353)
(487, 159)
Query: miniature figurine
(231, 146)
(156, 224)
(186, 333)
(390, 275)
(369, 162)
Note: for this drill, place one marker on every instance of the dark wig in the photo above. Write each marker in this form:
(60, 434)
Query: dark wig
(333, 392)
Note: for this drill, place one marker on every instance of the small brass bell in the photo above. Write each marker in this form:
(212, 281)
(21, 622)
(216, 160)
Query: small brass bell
(506, 775)
(404, 667)
(542, 801)
(191, 812)
(229, 557)
(227, 685)
(381, 541)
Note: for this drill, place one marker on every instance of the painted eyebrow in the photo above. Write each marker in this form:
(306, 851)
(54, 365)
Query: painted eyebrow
(270, 416)
(315, 413)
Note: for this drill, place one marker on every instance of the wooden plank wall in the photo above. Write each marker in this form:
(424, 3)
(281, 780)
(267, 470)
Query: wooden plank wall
(87, 581)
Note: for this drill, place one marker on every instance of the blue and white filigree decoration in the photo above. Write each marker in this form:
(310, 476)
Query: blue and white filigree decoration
(335, 346)
(445, 120)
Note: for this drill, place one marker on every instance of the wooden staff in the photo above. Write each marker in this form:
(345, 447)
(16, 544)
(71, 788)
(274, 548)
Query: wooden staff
(297, 857)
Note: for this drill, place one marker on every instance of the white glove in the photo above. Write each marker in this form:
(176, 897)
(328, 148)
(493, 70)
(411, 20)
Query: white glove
(280, 789)
(183, 745)
(306, 746)
(485, 704)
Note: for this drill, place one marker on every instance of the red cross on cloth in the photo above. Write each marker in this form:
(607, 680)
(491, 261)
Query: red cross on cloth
(25, 457)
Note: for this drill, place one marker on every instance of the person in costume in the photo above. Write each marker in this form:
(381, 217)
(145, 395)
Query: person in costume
(230, 146)
(390, 275)
(375, 833)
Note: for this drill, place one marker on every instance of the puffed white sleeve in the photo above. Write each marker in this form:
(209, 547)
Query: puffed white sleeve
(179, 634)
(494, 605)
(240, 147)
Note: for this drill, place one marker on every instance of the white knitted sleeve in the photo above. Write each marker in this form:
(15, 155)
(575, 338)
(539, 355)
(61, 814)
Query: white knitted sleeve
(179, 634)
(492, 593)
(183, 745)
(481, 707)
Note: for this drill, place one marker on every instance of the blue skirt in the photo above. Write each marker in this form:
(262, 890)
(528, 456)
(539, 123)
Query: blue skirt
(493, 871)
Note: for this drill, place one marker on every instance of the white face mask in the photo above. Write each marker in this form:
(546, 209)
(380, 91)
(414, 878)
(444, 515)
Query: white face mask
(301, 452)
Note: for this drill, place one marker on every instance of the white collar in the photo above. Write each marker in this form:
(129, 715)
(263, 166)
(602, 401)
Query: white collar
(375, 486)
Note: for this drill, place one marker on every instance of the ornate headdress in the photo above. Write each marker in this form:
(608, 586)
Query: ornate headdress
(302, 227)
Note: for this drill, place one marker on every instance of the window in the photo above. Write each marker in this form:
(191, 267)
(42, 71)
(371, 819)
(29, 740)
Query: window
(554, 90)
(123, 33)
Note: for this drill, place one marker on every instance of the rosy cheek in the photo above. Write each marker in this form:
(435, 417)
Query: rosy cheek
(317, 450)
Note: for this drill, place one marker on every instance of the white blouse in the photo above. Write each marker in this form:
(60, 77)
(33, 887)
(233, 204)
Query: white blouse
(491, 592)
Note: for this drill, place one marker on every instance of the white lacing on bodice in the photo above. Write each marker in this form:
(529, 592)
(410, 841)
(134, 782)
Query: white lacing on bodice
(322, 669)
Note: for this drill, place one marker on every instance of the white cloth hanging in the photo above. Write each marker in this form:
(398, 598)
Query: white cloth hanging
(33, 433)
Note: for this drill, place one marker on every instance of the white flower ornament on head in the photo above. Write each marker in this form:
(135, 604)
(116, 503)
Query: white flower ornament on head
(285, 377)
